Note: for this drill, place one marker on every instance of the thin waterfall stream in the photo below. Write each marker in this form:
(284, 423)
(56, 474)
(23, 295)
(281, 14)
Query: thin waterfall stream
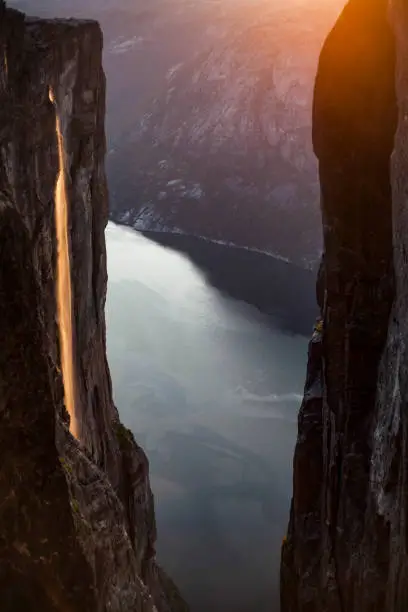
(64, 289)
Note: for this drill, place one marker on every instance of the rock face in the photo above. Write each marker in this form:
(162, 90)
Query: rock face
(77, 518)
(346, 547)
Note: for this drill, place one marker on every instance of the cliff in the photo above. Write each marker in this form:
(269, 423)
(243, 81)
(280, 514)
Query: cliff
(76, 515)
(346, 547)
(209, 117)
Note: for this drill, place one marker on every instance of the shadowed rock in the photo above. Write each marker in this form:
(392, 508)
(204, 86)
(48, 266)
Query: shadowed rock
(343, 552)
(77, 526)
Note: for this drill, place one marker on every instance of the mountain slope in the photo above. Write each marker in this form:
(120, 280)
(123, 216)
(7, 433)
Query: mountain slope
(209, 116)
(224, 150)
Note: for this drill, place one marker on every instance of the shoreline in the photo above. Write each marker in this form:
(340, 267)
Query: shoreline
(276, 287)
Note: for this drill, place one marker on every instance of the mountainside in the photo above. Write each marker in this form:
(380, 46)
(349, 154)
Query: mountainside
(209, 116)
(346, 546)
(77, 515)
(224, 151)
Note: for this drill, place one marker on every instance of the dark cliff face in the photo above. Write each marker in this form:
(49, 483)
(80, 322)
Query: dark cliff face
(77, 518)
(346, 548)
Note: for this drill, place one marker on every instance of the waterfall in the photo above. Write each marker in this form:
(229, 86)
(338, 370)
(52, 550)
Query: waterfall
(64, 290)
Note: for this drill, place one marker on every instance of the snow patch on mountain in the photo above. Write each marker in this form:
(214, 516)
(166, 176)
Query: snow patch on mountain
(123, 46)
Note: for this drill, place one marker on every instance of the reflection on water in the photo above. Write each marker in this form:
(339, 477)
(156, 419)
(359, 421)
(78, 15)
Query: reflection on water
(211, 390)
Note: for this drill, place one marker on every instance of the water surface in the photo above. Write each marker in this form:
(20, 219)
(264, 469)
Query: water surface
(211, 388)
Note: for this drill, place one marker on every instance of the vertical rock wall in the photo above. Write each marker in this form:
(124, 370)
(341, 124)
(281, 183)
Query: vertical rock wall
(346, 548)
(77, 518)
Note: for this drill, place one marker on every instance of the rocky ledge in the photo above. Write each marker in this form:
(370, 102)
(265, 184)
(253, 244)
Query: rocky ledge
(77, 524)
(347, 549)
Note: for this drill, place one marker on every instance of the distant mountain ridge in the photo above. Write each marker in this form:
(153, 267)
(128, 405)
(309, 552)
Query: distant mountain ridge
(224, 151)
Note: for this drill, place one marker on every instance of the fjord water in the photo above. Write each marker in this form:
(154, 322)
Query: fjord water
(211, 389)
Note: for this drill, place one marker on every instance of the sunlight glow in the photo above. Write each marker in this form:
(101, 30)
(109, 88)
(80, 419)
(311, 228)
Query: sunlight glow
(64, 292)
